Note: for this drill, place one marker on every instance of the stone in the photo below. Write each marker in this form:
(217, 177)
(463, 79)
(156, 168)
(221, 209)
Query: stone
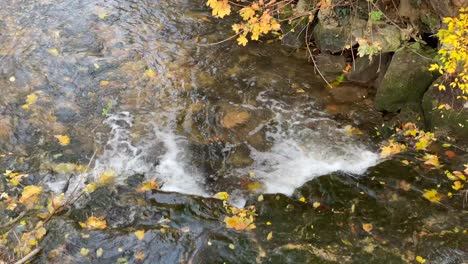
(334, 38)
(406, 80)
(240, 157)
(451, 121)
(330, 64)
(347, 93)
(365, 70)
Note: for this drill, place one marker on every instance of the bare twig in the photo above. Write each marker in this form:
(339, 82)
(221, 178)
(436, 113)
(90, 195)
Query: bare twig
(29, 256)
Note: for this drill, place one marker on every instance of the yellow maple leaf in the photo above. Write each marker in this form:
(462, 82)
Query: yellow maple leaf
(219, 8)
(140, 234)
(242, 40)
(94, 223)
(432, 195)
(63, 140)
(247, 13)
(30, 195)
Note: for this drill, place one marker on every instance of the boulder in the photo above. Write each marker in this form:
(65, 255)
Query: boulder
(365, 70)
(332, 37)
(450, 120)
(406, 80)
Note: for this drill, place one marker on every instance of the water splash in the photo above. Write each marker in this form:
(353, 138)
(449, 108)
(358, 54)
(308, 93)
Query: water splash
(306, 144)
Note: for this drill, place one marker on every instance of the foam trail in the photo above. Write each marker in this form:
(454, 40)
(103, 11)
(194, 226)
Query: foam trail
(160, 156)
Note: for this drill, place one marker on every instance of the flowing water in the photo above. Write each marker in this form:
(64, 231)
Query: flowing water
(140, 91)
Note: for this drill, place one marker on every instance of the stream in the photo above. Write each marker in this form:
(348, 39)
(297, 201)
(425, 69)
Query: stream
(143, 95)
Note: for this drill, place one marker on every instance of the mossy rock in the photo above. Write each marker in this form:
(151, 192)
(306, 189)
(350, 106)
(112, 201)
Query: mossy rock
(406, 79)
(447, 121)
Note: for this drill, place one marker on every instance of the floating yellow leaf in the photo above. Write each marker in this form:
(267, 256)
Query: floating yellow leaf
(99, 252)
(316, 205)
(31, 99)
(102, 15)
(431, 160)
(391, 148)
(367, 227)
(432, 195)
(94, 223)
(302, 199)
(420, 259)
(140, 234)
(140, 255)
(30, 195)
(148, 186)
(84, 251)
(53, 51)
(457, 185)
(63, 139)
(222, 196)
(269, 236)
(104, 83)
(150, 73)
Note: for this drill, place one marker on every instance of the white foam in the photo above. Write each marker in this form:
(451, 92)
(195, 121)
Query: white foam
(160, 156)
(300, 153)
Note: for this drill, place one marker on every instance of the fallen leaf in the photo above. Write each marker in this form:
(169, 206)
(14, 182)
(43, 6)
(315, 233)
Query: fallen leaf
(222, 196)
(316, 205)
(84, 251)
(140, 234)
(239, 223)
(270, 236)
(104, 83)
(30, 195)
(405, 185)
(94, 223)
(367, 227)
(150, 73)
(63, 140)
(457, 185)
(148, 186)
(431, 160)
(99, 252)
(432, 195)
(450, 154)
(140, 255)
(420, 259)
(53, 51)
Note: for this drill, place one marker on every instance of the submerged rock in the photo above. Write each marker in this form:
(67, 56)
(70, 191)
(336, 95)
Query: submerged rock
(406, 79)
